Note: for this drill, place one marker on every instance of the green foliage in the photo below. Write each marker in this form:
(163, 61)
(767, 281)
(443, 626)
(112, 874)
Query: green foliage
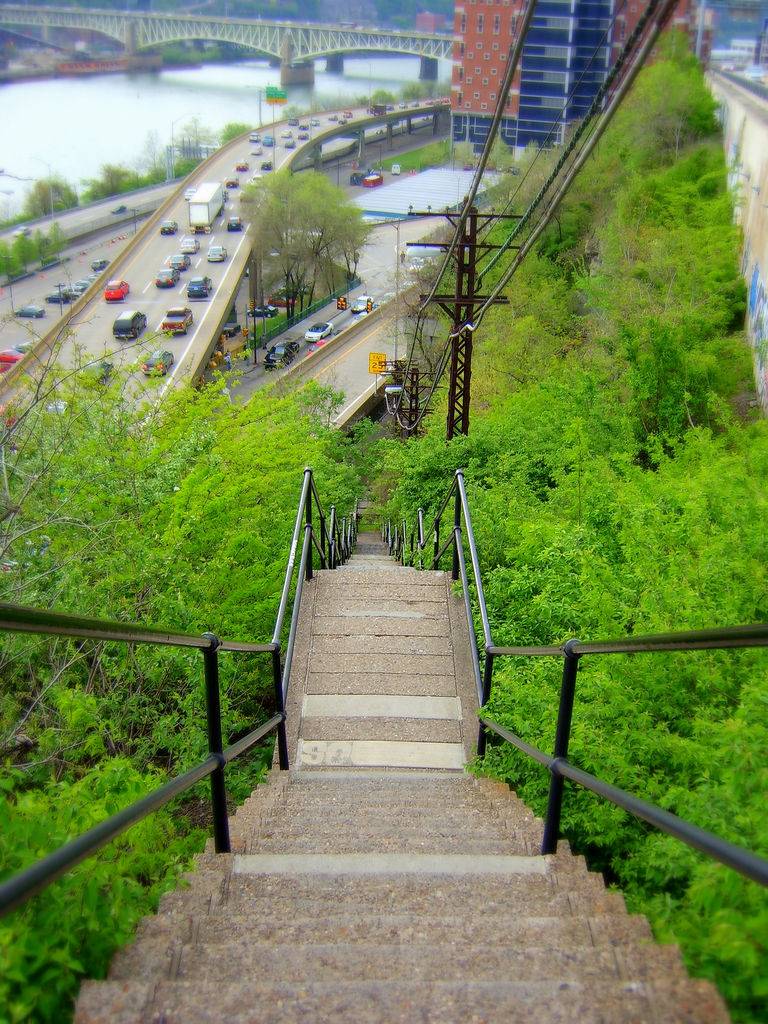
(232, 131)
(615, 490)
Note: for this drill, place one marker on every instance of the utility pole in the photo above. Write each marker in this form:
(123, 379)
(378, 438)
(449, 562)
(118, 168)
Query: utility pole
(460, 308)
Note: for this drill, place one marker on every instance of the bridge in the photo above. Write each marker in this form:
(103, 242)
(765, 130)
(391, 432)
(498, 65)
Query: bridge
(295, 46)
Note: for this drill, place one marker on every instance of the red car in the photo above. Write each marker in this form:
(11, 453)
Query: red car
(116, 291)
(10, 356)
(242, 166)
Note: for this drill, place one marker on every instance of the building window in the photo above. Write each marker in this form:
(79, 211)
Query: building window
(479, 24)
(469, 79)
(483, 106)
(463, 23)
(485, 81)
(461, 49)
(496, 24)
(513, 25)
(461, 74)
(477, 71)
(458, 102)
(477, 95)
(494, 71)
(492, 96)
(495, 46)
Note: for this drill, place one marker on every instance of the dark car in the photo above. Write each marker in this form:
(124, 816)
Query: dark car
(199, 287)
(129, 324)
(31, 310)
(281, 355)
(120, 209)
(356, 178)
(63, 294)
(234, 224)
(262, 311)
(169, 227)
(180, 261)
(266, 165)
(159, 362)
(99, 264)
(167, 277)
(98, 372)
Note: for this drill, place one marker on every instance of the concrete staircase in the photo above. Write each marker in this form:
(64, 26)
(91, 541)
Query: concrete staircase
(376, 881)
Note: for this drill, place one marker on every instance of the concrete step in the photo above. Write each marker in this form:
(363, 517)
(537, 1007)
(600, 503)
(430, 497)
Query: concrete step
(379, 754)
(232, 958)
(254, 1001)
(385, 930)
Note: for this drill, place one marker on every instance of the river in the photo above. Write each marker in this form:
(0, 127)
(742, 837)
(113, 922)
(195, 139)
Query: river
(70, 127)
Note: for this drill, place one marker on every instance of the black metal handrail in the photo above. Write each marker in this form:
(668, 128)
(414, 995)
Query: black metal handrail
(755, 635)
(337, 538)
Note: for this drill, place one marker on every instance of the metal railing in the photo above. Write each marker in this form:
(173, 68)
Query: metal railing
(333, 539)
(409, 549)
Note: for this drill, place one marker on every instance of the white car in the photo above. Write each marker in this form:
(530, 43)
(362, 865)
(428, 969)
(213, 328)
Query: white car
(319, 331)
(189, 245)
(362, 304)
(216, 254)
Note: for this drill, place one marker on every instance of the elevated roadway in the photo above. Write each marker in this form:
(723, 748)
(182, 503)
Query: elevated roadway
(86, 329)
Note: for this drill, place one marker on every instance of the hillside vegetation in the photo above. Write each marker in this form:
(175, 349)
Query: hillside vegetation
(617, 478)
(618, 481)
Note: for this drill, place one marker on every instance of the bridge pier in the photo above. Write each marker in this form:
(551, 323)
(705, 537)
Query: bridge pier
(297, 74)
(428, 69)
(129, 40)
(335, 63)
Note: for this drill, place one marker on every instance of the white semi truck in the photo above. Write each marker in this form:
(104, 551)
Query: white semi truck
(206, 204)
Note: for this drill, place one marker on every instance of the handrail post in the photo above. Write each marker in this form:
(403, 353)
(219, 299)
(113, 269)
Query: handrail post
(326, 556)
(482, 734)
(308, 522)
(456, 529)
(215, 745)
(282, 737)
(562, 737)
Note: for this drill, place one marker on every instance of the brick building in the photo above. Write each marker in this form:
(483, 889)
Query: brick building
(557, 77)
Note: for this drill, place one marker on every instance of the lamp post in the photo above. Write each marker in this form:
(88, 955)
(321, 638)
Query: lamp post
(9, 279)
(396, 226)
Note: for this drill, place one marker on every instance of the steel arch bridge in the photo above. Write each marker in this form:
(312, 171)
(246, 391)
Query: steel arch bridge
(286, 41)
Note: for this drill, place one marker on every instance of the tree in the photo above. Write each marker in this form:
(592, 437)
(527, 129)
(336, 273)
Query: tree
(232, 131)
(305, 230)
(37, 202)
(112, 181)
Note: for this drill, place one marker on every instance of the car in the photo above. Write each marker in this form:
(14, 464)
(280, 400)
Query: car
(62, 294)
(177, 320)
(264, 311)
(266, 165)
(216, 253)
(362, 304)
(22, 232)
(256, 151)
(318, 331)
(303, 136)
(116, 290)
(294, 122)
(287, 134)
(314, 122)
(395, 168)
(129, 324)
(31, 310)
(180, 261)
(290, 144)
(282, 354)
(342, 121)
(242, 166)
(372, 180)
(232, 183)
(160, 361)
(167, 277)
(120, 209)
(348, 114)
(254, 137)
(80, 286)
(188, 244)
(99, 264)
(333, 117)
(234, 224)
(188, 193)
(10, 355)
(199, 287)
(98, 372)
(356, 178)
(169, 227)
(268, 141)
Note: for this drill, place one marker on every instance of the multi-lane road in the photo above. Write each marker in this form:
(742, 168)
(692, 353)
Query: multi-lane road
(85, 330)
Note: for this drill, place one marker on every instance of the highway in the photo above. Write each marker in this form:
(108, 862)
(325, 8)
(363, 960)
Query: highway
(85, 330)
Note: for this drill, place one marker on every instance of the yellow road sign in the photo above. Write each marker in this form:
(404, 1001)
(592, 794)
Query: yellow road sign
(377, 362)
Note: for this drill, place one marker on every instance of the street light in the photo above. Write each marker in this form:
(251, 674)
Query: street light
(396, 225)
